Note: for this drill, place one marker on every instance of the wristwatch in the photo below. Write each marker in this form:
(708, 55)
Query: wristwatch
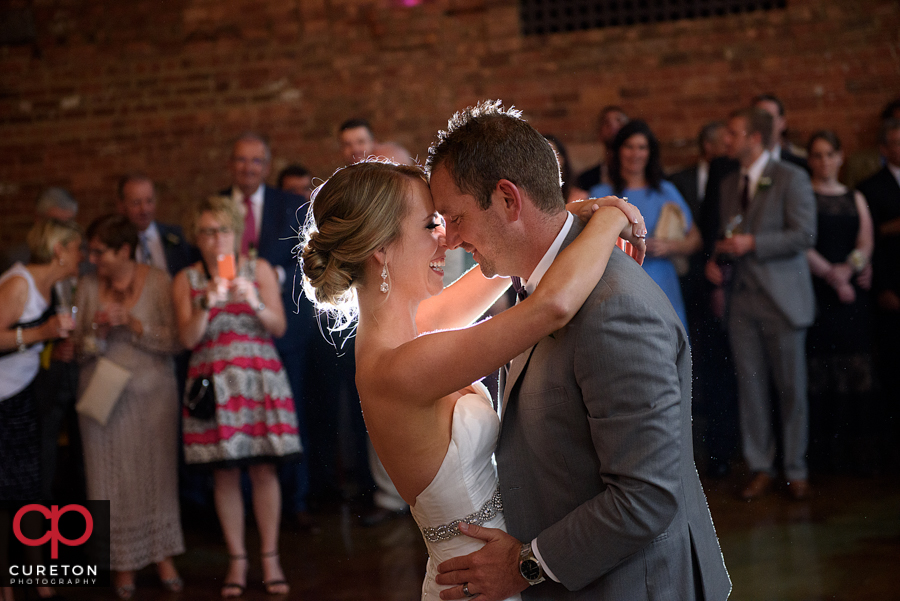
(529, 567)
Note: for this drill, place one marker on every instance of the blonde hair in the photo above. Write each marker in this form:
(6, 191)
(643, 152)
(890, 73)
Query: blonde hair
(225, 210)
(46, 234)
(356, 212)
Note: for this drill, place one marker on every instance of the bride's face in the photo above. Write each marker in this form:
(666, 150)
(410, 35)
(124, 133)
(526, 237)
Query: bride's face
(416, 261)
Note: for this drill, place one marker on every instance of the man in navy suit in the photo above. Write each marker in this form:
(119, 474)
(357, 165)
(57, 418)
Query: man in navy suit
(271, 225)
(160, 245)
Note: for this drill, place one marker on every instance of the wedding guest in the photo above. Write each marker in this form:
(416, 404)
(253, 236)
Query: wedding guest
(162, 245)
(779, 147)
(609, 122)
(53, 203)
(229, 320)
(125, 315)
(27, 321)
(296, 179)
(839, 343)
(635, 170)
(882, 191)
(571, 191)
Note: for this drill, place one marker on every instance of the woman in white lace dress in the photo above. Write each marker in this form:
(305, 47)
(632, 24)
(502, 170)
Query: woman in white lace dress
(376, 244)
(125, 314)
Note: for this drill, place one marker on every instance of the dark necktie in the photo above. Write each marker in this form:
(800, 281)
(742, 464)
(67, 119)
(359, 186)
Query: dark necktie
(521, 294)
(745, 194)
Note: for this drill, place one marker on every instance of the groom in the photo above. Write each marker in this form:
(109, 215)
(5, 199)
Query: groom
(596, 467)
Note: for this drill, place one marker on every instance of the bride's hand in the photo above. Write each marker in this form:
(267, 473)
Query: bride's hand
(635, 233)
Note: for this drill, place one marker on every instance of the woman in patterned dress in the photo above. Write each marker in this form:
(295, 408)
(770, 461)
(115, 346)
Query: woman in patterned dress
(228, 320)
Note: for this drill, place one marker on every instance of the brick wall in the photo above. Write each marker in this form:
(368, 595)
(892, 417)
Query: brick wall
(163, 87)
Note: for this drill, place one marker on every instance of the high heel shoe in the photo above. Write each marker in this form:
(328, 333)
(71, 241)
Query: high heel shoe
(275, 587)
(232, 590)
(125, 591)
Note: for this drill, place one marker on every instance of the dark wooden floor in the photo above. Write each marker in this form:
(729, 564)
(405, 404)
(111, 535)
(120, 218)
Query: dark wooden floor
(842, 544)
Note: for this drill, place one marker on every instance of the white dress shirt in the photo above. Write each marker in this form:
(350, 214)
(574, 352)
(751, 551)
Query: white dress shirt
(152, 239)
(755, 172)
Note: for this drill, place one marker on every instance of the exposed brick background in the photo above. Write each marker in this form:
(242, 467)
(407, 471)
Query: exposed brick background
(164, 86)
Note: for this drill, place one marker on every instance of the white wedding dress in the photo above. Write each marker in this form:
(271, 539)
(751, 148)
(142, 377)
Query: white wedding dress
(465, 488)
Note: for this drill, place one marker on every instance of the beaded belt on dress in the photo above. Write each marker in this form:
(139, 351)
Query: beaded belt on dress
(492, 507)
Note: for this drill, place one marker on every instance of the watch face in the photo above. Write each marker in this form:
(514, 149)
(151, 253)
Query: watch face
(530, 569)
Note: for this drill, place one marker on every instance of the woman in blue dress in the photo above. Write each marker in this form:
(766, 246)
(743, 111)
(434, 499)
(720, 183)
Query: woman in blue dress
(635, 171)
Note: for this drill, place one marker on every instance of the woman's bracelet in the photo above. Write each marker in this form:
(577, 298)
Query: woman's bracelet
(20, 341)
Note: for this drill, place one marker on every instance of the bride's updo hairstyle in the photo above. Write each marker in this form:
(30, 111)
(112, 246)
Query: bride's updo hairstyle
(359, 210)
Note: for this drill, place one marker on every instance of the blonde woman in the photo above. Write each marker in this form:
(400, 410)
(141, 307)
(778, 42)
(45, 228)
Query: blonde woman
(228, 320)
(27, 320)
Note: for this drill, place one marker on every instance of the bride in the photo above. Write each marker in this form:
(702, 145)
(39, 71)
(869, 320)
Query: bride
(374, 251)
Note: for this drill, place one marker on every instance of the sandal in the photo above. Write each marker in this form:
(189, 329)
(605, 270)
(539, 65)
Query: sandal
(174, 584)
(125, 591)
(231, 590)
(275, 587)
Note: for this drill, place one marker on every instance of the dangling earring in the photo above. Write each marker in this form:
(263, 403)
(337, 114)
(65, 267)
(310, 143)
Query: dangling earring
(62, 263)
(384, 275)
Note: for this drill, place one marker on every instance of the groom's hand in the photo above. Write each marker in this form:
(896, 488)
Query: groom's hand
(491, 573)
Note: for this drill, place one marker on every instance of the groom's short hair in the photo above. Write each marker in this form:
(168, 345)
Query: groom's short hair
(486, 143)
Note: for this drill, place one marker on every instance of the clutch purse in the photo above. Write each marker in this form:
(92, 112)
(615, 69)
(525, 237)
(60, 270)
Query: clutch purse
(103, 391)
(200, 400)
(670, 226)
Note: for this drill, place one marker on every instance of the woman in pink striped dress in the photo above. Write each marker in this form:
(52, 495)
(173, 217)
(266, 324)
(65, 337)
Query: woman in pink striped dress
(229, 320)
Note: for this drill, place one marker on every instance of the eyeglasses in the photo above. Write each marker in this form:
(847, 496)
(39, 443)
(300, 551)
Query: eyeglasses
(209, 232)
(96, 251)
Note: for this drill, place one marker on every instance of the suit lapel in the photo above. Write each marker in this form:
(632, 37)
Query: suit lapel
(268, 227)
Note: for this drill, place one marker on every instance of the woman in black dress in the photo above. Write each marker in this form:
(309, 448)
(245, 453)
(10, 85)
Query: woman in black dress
(839, 342)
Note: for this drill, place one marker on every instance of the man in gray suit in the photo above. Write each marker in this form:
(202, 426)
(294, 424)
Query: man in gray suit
(771, 302)
(597, 477)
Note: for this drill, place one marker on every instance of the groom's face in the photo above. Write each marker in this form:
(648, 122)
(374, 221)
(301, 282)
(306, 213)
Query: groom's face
(478, 231)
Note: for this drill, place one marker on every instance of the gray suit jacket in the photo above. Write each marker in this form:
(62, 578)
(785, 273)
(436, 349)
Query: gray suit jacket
(782, 217)
(595, 456)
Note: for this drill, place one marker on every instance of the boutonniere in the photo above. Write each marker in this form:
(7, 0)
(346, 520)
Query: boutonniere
(173, 239)
(763, 183)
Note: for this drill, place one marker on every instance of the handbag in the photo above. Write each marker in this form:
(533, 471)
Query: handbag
(103, 390)
(200, 400)
(670, 226)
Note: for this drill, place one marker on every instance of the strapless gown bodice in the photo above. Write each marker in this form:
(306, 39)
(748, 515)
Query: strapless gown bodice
(464, 485)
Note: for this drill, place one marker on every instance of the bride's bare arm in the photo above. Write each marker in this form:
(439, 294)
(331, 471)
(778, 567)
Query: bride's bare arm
(466, 299)
(460, 303)
(437, 364)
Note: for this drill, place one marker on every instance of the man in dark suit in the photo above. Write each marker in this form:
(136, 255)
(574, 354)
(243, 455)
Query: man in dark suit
(779, 147)
(272, 220)
(594, 457)
(771, 302)
(715, 390)
(161, 245)
(882, 191)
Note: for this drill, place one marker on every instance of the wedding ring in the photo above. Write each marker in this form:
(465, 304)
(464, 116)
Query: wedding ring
(466, 590)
